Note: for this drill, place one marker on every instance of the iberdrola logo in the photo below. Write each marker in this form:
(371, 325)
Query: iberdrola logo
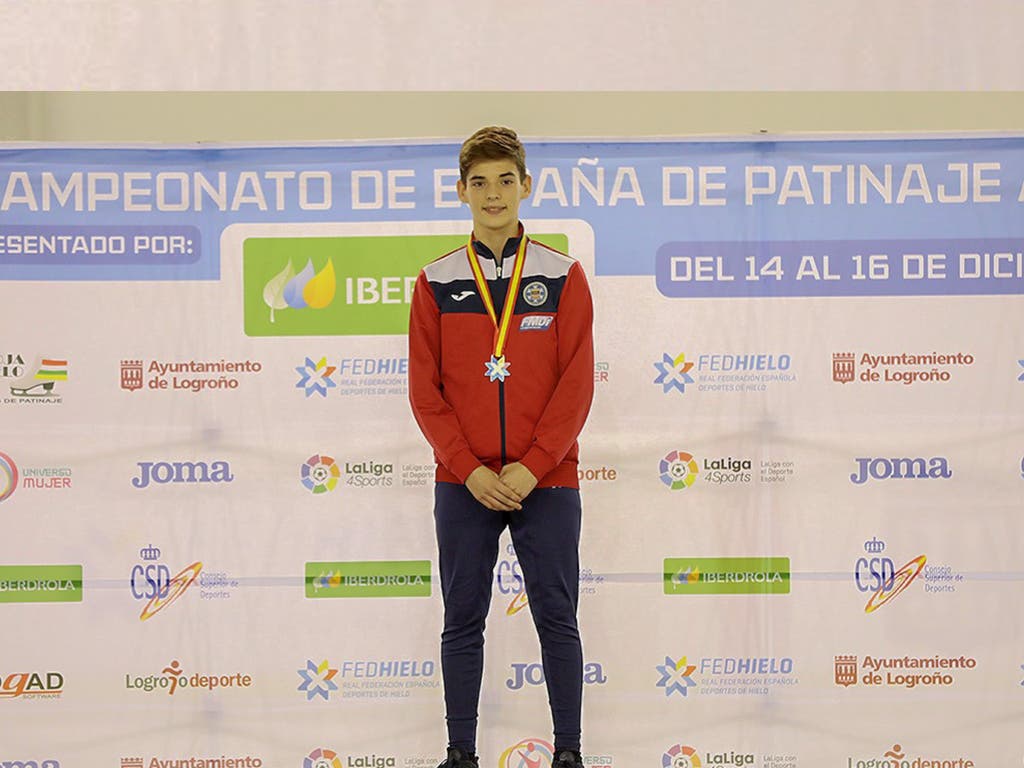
(288, 290)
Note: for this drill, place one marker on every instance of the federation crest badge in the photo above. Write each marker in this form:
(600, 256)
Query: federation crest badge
(535, 293)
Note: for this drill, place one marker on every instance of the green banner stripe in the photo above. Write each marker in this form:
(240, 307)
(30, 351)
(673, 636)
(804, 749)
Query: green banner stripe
(377, 578)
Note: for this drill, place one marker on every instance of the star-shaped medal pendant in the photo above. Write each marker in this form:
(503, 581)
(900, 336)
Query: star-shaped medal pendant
(497, 368)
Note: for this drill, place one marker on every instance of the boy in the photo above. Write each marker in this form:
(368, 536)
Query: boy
(501, 377)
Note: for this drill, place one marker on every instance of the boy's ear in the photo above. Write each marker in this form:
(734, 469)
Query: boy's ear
(527, 186)
(460, 187)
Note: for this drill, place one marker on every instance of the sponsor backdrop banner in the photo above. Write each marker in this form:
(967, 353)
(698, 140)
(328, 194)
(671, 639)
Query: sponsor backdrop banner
(802, 476)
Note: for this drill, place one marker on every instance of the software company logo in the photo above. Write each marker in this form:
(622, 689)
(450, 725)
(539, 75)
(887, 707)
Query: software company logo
(528, 753)
(680, 756)
(678, 470)
(878, 574)
(307, 289)
(31, 685)
(676, 676)
(317, 680)
(319, 474)
(322, 758)
(152, 581)
(8, 477)
(315, 377)
(673, 373)
(872, 468)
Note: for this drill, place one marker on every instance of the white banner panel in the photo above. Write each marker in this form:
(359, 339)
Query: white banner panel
(802, 476)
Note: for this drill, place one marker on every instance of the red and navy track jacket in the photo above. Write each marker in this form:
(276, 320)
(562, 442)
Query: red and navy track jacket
(535, 415)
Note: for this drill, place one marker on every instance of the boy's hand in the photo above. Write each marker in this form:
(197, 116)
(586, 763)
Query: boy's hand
(518, 478)
(491, 491)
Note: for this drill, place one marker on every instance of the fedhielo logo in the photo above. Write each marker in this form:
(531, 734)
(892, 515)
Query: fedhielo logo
(678, 470)
(528, 753)
(673, 373)
(869, 468)
(676, 676)
(164, 472)
(152, 581)
(726, 675)
(322, 758)
(315, 377)
(680, 756)
(317, 680)
(8, 476)
(878, 574)
(725, 372)
(319, 474)
(510, 580)
(288, 290)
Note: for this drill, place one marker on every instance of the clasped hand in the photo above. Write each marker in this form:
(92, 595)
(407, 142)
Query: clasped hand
(502, 491)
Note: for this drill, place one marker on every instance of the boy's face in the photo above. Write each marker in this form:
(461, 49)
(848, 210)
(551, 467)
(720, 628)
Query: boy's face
(493, 191)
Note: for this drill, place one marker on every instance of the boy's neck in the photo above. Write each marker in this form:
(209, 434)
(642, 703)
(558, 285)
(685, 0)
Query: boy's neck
(495, 240)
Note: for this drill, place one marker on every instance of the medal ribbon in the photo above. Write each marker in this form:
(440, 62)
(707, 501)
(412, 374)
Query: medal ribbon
(501, 330)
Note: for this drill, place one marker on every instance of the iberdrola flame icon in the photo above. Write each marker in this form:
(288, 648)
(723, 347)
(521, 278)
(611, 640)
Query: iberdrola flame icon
(296, 291)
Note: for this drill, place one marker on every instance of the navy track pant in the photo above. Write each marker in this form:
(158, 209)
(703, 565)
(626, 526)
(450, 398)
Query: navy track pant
(546, 535)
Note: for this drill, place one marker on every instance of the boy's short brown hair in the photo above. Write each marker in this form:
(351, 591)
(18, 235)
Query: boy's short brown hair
(492, 143)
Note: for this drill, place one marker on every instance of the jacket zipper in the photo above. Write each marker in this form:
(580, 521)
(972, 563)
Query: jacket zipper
(501, 384)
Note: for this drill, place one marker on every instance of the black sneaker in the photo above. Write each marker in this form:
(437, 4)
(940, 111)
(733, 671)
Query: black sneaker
(567, 759)
(459, 759)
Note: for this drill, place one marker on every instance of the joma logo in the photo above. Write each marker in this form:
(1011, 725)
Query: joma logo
(900, 469)
(163, 472)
